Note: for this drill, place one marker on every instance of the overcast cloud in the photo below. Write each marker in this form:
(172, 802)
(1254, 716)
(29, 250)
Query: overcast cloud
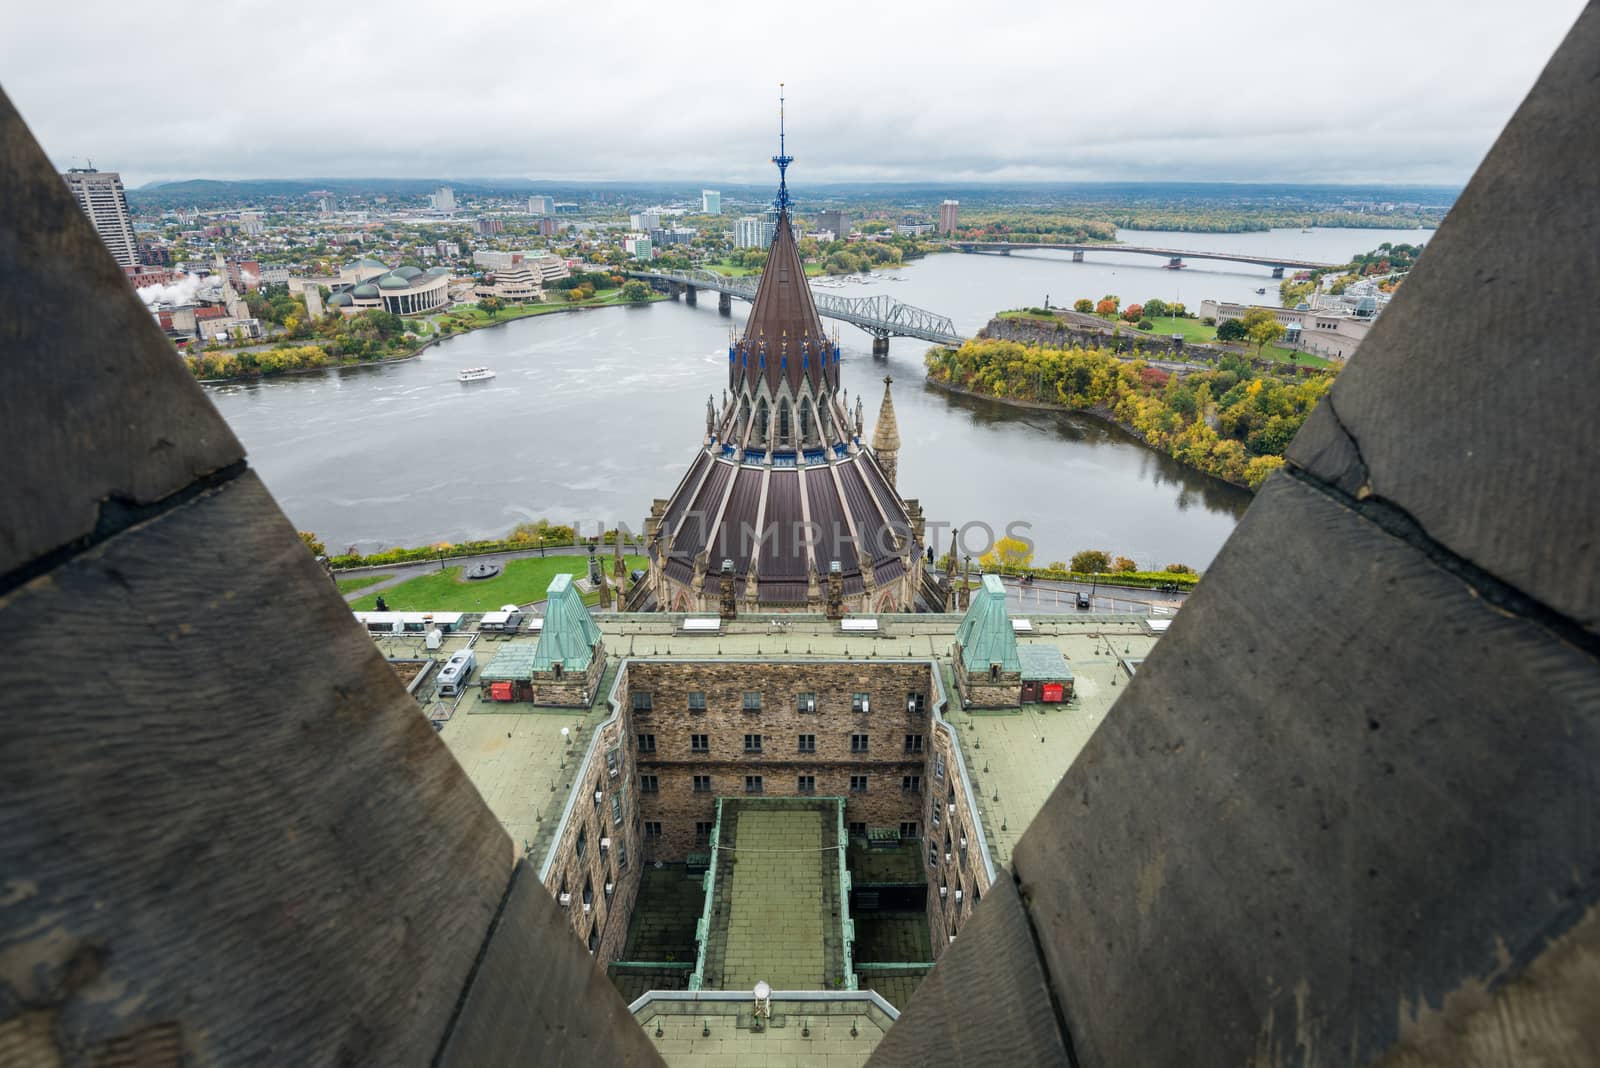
(1405, 91)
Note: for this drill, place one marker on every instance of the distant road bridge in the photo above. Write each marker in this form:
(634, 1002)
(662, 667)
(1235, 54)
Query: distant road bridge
(1175, 257)
(881, 316)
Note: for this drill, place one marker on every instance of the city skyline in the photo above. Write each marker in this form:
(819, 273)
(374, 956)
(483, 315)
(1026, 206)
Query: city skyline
(1145, 92)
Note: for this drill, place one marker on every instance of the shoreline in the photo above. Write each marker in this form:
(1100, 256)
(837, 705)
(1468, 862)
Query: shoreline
(1101, 414)
(425, 346)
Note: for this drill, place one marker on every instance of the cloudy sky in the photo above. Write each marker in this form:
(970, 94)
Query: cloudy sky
(1405, 91)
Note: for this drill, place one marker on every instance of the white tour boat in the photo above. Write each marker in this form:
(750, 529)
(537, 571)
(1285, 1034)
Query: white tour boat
(475, 374)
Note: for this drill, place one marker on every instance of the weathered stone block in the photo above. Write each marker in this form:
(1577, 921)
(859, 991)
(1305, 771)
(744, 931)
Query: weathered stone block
(538, 997)
(93, 389)
(1450, 409)
(220, 810)
(988, 1002)
(1311, 812)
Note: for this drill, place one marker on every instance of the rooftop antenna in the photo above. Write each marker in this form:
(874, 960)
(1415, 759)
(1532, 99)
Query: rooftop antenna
(782, 159)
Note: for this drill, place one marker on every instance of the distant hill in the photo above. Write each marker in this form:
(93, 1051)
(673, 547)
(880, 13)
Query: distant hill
(266, 192)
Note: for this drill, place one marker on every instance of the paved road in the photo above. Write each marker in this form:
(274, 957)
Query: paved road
(1043, 595)
(1047, 595)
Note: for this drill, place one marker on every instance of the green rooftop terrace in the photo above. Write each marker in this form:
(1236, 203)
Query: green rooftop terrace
(776, 911)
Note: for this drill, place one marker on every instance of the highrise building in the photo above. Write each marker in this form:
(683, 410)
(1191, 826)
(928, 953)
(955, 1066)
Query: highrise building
(948, 213)
(644, 221)
(444, 199)
(710, 202)
(837, 221)
(753, 231)
(541, 205)
(100, 195)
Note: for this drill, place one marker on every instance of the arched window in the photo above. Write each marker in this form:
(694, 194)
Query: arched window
(761, 422)
(783, 422)
(805, 419)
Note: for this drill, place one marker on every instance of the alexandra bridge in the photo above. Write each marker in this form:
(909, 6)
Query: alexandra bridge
(881, 316)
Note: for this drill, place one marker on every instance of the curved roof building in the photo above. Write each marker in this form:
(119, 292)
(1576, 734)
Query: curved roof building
(784, 508)
(405, 290)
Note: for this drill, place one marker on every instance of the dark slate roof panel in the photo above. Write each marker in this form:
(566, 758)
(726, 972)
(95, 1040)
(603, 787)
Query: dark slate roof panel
(783, 554)
(832, 537)
(869, 523)
(773, 592)
(680, 496)
(893, 507)
(696, 529)
(736, 536)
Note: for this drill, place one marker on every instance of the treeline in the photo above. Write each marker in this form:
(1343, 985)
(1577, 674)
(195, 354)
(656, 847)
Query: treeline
(1100, 222)
(365, 337)
(1389, 263)
(258, 364)
(1233, 422)
(1031, 228)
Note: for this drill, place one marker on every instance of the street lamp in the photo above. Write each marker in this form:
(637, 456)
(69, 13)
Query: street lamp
(441, 559)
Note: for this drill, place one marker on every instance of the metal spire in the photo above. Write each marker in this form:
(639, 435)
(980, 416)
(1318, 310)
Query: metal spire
(782, 159)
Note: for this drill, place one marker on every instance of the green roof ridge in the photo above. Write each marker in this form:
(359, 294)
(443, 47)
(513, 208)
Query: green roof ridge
(570, 632)
(985, 632)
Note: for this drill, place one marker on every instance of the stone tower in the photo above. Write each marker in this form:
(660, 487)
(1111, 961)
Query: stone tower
(886, 435)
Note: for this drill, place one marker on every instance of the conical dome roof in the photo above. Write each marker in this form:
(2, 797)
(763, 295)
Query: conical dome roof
(783, 306)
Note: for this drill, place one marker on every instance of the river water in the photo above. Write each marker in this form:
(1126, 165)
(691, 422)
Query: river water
(592, 414)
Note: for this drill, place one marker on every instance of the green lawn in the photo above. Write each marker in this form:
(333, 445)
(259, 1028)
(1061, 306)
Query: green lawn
(1018, 313)
(1195, 330)
(1191, 329)
(358, 582)
(522, 581)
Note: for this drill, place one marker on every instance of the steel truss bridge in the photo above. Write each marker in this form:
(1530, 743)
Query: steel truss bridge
(1175, 257)
(881, 316)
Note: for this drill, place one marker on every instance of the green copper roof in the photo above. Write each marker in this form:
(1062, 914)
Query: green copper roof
(1043, 663)
(511, 663)
(985, 632)
(570, 633)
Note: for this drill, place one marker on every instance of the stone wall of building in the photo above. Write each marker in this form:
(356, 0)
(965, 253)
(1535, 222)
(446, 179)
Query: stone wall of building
(947, 802)
(663, 740)
(609, 828)
(570, 691)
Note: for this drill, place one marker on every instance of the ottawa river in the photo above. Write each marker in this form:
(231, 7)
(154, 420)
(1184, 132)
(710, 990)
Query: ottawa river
(592, 414)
